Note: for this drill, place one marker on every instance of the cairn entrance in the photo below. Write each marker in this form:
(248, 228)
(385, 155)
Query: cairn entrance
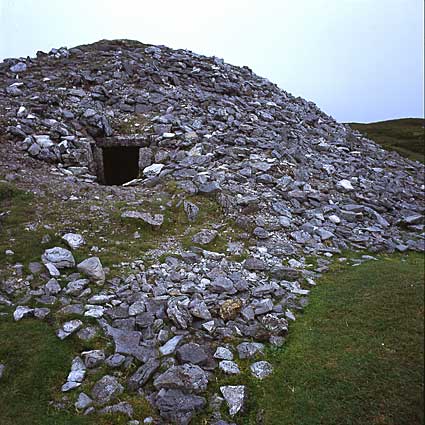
(117, 159)
(120, 164)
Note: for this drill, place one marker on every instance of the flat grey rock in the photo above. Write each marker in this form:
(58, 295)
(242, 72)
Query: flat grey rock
(187, 377)
(192, 353)
(106, 389)
(177, 406)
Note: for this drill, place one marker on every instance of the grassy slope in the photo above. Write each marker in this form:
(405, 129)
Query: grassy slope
(406, 136)
(357, 355)
(36, 363)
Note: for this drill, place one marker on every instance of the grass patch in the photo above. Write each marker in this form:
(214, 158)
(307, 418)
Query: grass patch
(20, 227)
(356, 356)
(37, 362)
(406, 136)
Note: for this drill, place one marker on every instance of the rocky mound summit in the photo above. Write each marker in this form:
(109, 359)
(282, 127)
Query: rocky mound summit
(200, 202)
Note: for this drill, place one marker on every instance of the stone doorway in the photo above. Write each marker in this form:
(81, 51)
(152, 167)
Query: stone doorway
(117, 159)
(120, 164)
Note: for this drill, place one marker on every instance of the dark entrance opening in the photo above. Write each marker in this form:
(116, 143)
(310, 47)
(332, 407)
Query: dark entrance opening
(120, 164)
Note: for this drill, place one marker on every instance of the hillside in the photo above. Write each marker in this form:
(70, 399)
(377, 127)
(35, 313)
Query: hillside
(406, 135)
(166, 215)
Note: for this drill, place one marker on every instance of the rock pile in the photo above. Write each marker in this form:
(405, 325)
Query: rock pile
(293, 180)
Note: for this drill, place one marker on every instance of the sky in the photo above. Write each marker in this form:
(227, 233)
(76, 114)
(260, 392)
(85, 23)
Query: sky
(358, 60)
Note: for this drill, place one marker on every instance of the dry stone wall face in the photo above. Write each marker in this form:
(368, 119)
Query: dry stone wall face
(291, 177)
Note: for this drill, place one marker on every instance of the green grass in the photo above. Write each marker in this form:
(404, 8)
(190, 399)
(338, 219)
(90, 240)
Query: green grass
(406, 136)
(356, 356)
(36, 362)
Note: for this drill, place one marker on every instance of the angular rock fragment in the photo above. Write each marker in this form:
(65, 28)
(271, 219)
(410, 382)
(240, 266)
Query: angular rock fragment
(223, 353)
(204, 237)
(229, 367)
(192, 353)
(261, 369)
(154, 220)
(143, 374)
(170, 346)
(93, 269)
(22, 311)
(177, 406)
(246, 350)
(59, 257)
(68, 328)
(106, 389)
(235, 396)
(230, 309)
(187, 377)
(83, 401)
(255, 264)
(73, 240)
(191, 210)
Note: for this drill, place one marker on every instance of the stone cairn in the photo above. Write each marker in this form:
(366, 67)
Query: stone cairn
(293, 180)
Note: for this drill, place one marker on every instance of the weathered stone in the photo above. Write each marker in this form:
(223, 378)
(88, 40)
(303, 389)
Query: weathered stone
(22, 311)
(235, 396)
(116, 360)
(223, 353)
(73, 240)
(177, 406)
(230, 309)
(191, 210)
(204, 237)
(229, 367)
(153, 170)
(128, 342)
(246, 350)
(261, 369)
(83, 401)
(93, 269)
(170, 346)
(222, 284)
(199, 310)
(192, 353)
(52, 287)
(106, 389)
(187, 377)
(143, 374)
(68, 328)
(93, 358)
(123, 407)
(154, 220)
(275, 324)
(59, 257)
(255, 264)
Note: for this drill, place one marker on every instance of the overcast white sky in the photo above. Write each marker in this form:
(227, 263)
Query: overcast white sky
(359, 60)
